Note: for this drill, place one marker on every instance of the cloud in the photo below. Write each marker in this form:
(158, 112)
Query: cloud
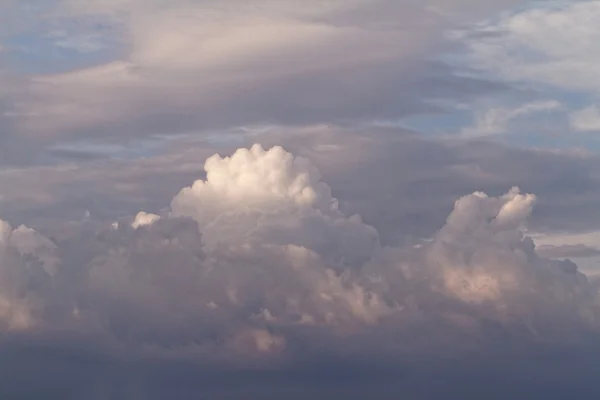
(581, 247)
(144, 219)
(260, 251)
(495, 121)
(257, 266)
(568, 251)
(586, 120)
(272, 197)
(552, 43)
(261, 62)
(480, 257)
(27, 264)
(331, 259)
(484, 257)
(403, 168)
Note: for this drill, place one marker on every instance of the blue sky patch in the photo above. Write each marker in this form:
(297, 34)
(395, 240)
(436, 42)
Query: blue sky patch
(55, 43)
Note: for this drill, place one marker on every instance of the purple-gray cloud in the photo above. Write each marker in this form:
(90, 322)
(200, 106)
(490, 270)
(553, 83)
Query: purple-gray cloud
(256, 268)
(218, 213)
(261, 247)
(193, 66)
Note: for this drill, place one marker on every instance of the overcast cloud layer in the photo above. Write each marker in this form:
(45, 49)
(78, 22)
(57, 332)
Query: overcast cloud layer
(279, 199)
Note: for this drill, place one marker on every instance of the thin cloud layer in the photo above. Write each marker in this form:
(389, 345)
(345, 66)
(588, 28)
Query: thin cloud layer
(496, 121)
(262, 62)
(554, 44)
(586, 120)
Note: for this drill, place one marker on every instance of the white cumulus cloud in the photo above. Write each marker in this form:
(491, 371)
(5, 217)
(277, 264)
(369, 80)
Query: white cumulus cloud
(144, 219)
(271, 197)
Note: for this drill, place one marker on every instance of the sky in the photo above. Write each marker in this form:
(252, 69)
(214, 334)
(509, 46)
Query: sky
(316, 199)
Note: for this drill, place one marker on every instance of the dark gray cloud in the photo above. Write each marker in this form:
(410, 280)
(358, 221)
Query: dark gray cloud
(63, 373)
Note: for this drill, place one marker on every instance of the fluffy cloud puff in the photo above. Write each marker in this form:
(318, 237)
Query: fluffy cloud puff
(27, 265)
(257, 260)
(483, 256)
(271, 197)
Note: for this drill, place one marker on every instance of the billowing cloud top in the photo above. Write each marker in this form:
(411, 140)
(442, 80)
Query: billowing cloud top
(272, 197)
